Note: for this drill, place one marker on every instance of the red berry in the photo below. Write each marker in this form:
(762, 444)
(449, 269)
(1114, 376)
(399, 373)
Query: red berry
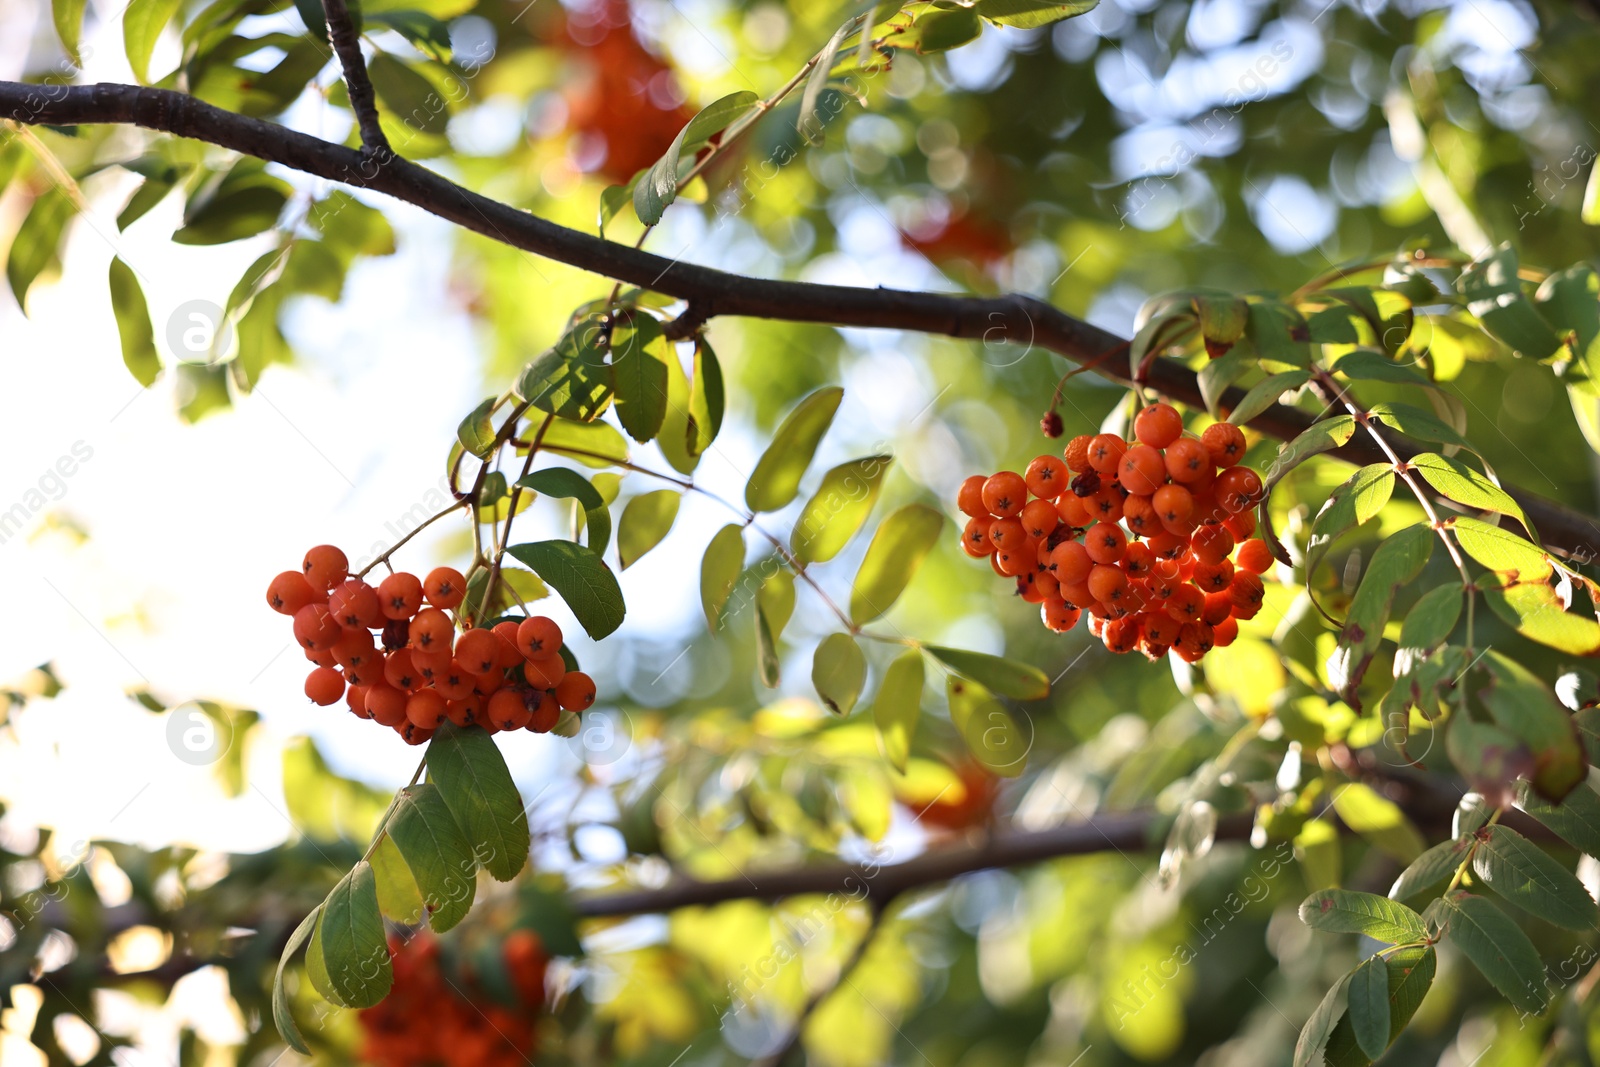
(478, 650)
(539, 636)
(316, 628)
(324, 686)
(400, 595)
(325, 567)
(575, 691)
(289, 592)
(1004, 494)
(432, 632)
(355, 604)
(1158, 425)
(425, 709)
(444, 587)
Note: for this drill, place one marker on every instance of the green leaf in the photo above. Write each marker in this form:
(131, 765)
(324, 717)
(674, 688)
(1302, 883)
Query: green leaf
(1366, 365)
(1031, 14)
(719, 569)
(151, 192)
(412, 98)
(774, 606)
(142, 23)
(1472, 814)
(476, 432)
(1344, 911)
(898, 706)
(1502, 551)
(1494, 294)
(569, 484)
(807, 123)
(677, 431)
(1487, 756)
(939, 31)
(36, 247)
(1352, 504)
(776, 478)
(1222, 322)
(440, 860)
(348, 959)
(399, 899)
(427, 34)
(1497, 947)
(1537, 612)
(1590, 211)
(893, 557)
(658, 187)
(232, 216)
(581, 578)
(1379, 820)
(1020, 681)
(1265, 393)
(133, 325)
(1410, 971)
(571, 380)
(639, 354)
(838, 672)
(1525, 875)
(1430, 868)
(594, 444)
(68, 17)
(645, 521)
(838, 509)
(1521, 704)
(991, 734)
(1279, 333)
(1397, 562)
(612, 199)
(1314, 1036)
(282, 1017)
(1215, 377)
(1576, 819)
(1319, 437)
(1427, 625)
(1569, 300)
(475, 785)
(1369, 1005)
(706, 399)
(1414, 422)
(1459, 482)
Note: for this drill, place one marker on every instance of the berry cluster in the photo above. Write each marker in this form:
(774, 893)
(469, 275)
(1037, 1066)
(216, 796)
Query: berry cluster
(1140, 534)
(417, 672)
(430, 1019)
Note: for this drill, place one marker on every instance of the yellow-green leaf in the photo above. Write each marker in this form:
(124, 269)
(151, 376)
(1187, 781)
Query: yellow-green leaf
(838, 509)
(645, 521)
(893, 556)
(776, 478)
(838, 671)
(898, 706)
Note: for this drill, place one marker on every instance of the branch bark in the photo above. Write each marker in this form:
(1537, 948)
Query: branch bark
(363, 99)
(994, 321)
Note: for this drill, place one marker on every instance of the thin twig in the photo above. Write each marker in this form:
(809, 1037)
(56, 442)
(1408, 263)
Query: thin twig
(874, 924)
(363, 99)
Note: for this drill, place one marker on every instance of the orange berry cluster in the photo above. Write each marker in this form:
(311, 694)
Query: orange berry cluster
(393, 653)
(429, 1020)
(1140, 534)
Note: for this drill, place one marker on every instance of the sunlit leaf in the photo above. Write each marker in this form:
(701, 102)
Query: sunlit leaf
(645, 521)
(895, 553)
(1430, 868)
(658, 188)
(719, 569)
(351, 964)
(476, 786)
(776, 479)
(1525, 875)
(476, 432)
(1020, 681)
(1461, 483)
(1494, 294)
(837, 510)
(838, 672)
(992, 735)
(1031, 14)
(1397, 561)
(1378, 819)
(1265, 393)
(639, 354)
(898, 706)
(1345, 911)
(569, 484)
(436, 852)
(581, 578)
(133, 325)
(1497, 947)
(142, 23)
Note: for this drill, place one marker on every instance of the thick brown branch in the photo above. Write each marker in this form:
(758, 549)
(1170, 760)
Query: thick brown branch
(363, 100)
(994, 321)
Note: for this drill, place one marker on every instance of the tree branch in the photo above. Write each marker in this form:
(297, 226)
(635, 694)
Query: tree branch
(363, 100)
(1002, 320)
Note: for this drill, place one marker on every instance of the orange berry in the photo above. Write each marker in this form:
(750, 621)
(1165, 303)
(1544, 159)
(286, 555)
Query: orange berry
(316, 628)
(975, 538)
(1246, 591)
(1242, 524)
(414, 734)
(1105, 542)
(1254, 556)
(1211, 544)
(432, 632)
(466, 711)
(1105, 452)
(1058, 615)
(546, 713)
(510, 655)
(1107, 584)
(1168, 545)
(325, 567)
(1142, 470)
(544, 672)
(1173, 505)
(1028, 588)
(1223, 633)
(1046, 477)
(1039, 518)
(1185, 603)
(1140, 516)
(508, 709)
(1047, 585)
(1004, 494)
(1077, 594)
(1187, 460)
(970, 497)
(1012, 562)
(456, 681)
(1073, 511)
(355, 604)
(400, 595)
(1106, 504)
(425, 709)
(1071, 562)
(444, 587)
(538, 636)
(322, 657)
(386, 704)
(1213, 577)
(400, 672)
(1077, 452)
(324, 686)
(1006, 533)
(478, 651)
(1137, 559)
(1160, 628)
(355, 648)
(575, 691)
(1121, 635)
(1218, 606)
(1195, 639)
(1238, 488)
(1225, 442)
(355, 699)
(1158, 425)
(289, 592)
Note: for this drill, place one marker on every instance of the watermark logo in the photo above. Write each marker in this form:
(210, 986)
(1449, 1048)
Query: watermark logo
(199, 332)
(196, 737)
